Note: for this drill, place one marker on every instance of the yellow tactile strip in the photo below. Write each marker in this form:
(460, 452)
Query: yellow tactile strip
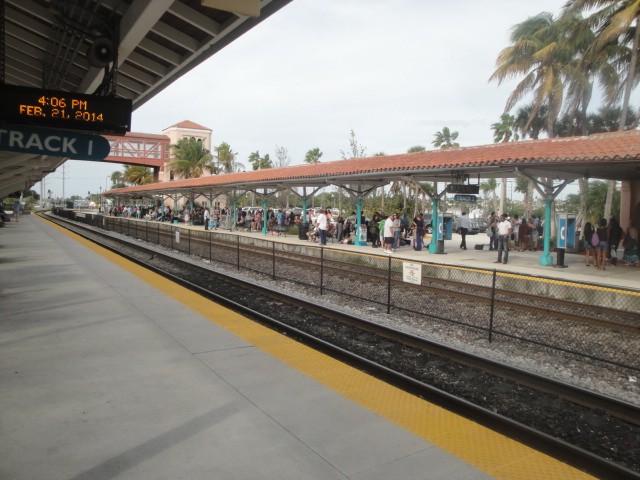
(494, 454)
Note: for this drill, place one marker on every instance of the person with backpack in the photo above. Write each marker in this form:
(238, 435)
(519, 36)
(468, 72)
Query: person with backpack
(600, 243)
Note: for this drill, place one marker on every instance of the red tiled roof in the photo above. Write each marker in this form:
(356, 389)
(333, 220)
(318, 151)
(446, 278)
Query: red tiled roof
(602, 150)
(189, 125)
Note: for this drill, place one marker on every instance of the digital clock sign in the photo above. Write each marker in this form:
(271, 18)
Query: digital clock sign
(76, 111)
(463, 188)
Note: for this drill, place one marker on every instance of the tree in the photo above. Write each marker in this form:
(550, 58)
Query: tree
(503, 131)
(355, 149)
(445, 139)
(489, 187)
(528, 125)
(226, 158)
(191, 159)
(417, 148)
(541, 54)
(137, 175)
(313, 156)
(117, 179)
(259, 163)
(282, 155)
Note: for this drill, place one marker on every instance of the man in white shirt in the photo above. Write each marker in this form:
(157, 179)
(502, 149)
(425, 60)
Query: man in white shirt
(465, 225)
(504, 232)
(321, 220)
(388, 234)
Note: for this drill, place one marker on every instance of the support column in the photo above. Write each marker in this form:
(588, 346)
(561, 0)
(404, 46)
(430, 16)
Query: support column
(433, 245)
(264, 213)
(357, 242)
(546, 258)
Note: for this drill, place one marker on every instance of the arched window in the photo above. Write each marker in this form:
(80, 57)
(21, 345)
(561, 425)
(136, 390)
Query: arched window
(171, 175)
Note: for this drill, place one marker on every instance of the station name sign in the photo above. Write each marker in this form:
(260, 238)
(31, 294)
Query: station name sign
(53, 143)
(465, 198)
(463, 188)
(56, 109)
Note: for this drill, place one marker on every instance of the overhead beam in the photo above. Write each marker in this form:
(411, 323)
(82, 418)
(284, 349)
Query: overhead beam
(249, 8)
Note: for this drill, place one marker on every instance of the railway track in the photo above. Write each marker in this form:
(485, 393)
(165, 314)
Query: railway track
(557, 308)
(440, 374)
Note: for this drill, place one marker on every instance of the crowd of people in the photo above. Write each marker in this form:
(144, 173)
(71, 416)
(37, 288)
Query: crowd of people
(392, 231)
(603, 241)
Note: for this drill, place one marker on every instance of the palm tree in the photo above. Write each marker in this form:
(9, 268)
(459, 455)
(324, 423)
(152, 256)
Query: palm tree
(191, 159)
(226, 158)
(503, 131)
(117, 179)
(313, 156)
(259, 163)
(137, 175)
(522, 186)
(489, 187)
(529, 126)
(542, 54)
(445, 139)
(616, 22)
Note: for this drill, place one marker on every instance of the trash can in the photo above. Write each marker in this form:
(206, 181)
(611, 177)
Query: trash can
(303, 228)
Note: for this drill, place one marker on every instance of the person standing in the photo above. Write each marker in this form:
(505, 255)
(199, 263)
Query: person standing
(493, 223)
(388, 233)
(630, 245)
(615, 235)
(17, 210)
(396, 231)
(321, 220)
(206, 216)
(504, 233)
(465, 225)
(418, 227)
(603, 245)
(588, 248)
(524, 235)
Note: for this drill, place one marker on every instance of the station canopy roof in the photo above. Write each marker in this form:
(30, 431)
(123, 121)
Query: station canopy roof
(608, 156)
(56, 45)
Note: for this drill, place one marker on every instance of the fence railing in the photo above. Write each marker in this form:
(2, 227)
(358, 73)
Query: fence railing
(487, 303)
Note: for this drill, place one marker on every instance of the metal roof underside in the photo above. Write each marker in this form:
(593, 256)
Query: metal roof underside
(47, 44)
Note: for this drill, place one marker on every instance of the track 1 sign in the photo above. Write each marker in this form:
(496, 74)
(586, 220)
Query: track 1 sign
(465, 198)
(53, 143)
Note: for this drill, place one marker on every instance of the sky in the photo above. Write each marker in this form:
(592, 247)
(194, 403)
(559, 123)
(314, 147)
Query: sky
(394, 72)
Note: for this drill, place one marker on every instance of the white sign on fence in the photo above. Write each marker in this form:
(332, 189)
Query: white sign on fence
(412, 273)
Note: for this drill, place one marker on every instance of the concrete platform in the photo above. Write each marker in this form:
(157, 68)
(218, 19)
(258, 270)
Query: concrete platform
(107, 371)
(527, 263)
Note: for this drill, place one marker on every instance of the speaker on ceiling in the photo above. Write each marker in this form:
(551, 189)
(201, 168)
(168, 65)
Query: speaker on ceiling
(101, 52)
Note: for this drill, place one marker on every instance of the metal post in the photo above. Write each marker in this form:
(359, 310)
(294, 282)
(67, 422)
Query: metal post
(210, 237)
(433, 245)
(389, 287)
(273, 260)
(238, 249)
(357, 241)
(546, 258)
(189, 241)
(493, 302)
(321, 269)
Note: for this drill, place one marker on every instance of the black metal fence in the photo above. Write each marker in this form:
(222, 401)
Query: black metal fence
(600, 323)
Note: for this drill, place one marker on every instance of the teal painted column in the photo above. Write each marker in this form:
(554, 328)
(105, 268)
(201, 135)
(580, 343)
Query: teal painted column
(546, 259)
(304, 211)
(264, 215)
(433, 246)
(357, 241)
(235, 215)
